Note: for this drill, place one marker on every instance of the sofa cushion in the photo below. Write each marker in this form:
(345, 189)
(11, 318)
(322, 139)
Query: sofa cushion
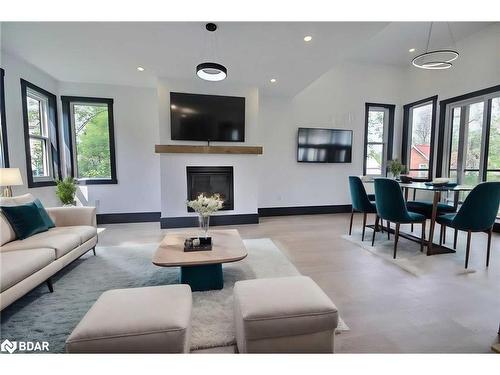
(62, 243)
(25, 219)
(86, 232)
(7, 234)
(15, 201)
(15, 266)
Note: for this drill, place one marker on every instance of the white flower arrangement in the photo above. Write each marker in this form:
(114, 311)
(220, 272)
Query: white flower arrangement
(206, 206)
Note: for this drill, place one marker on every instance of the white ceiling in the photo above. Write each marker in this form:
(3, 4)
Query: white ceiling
(253, 53)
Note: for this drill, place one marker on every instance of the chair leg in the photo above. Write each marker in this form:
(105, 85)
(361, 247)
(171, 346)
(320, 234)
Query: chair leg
(396, 236)
(422, 239)
(455, 239)
(376, 226)
(489, 247)
(467, 250)
(444, 235)
(411, 228)
(441, 235)
(49, 285)
(388, 230)
(350, 225)
(94, 251)
(364, 226)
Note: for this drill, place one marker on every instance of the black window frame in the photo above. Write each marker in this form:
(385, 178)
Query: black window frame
(54, 147)
(442, 126)
(405, 145)
(68, 137)
(390, 132)
(5, 143)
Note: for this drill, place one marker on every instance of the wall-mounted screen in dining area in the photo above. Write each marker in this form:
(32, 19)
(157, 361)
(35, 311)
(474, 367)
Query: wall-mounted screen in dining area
(316, 145)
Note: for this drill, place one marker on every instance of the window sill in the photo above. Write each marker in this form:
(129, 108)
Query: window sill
(111, 181)
(37, 184)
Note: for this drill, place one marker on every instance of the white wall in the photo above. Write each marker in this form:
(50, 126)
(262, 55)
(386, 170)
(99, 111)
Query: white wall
(173, 166)
(148, 182)
(15, 69)
(136, 129)
(335, 100)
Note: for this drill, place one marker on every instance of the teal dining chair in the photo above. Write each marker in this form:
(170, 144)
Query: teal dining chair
(425, 208)
(391, 206)
(477, 214)
(361, 202)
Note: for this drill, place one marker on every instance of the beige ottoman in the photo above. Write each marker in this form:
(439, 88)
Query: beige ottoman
(139, 320)
(283, 315)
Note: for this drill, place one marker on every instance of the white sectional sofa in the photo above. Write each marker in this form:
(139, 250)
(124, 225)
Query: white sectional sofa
(25, 264)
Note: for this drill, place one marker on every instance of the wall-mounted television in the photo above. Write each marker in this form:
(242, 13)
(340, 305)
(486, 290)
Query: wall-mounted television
(315, 145)
(195, 117)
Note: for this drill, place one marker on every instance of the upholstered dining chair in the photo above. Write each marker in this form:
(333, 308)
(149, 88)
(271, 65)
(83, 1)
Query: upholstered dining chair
(391, 206)
(361, 202)
(477, 214)
(425, 208)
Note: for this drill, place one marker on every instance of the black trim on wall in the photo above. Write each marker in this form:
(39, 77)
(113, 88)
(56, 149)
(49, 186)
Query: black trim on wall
(68, 136)
(5, 143)
(390, 131)
(405, 139)
(128, 217)
(192, 221)
(53, 119)
(442, 119)
(304, 210)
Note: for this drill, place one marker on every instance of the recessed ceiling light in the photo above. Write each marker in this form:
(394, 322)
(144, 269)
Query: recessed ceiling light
(411, 50)
(307, 38)
(273, 80)
(140, 68)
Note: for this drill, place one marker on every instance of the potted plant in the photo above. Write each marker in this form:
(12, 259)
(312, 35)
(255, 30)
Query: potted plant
(66, 190)
(205, 206)
(396, 168)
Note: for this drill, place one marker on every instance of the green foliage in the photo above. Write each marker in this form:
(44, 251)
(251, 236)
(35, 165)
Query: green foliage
(92, 141)
(66, 190)
(396, 167)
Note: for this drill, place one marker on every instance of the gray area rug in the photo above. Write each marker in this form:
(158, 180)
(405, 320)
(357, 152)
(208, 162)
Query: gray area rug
(44, 316)
(410, 259)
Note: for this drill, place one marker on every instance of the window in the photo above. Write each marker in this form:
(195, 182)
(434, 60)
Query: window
(379, 129)
(469, 131)
(4, 150)
(90, 138)
(472, 123)
(40, 135)
(419, 120)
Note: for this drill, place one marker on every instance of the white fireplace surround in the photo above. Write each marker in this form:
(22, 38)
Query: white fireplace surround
(246, 168)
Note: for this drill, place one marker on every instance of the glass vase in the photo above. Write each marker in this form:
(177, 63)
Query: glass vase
(204, 224)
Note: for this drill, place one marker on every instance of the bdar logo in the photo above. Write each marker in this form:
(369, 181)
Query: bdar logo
(8, 346)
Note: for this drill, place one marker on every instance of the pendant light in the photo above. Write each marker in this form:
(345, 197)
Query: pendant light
(438, 59)
(211, 71)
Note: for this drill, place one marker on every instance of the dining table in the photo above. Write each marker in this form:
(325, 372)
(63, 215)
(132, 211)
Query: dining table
(436, 190)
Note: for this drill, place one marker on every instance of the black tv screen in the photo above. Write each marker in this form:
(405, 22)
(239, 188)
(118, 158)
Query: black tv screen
(324, 145)
(195, 117)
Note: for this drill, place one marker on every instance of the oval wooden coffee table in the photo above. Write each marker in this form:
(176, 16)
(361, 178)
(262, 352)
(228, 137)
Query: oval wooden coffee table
(202, 270)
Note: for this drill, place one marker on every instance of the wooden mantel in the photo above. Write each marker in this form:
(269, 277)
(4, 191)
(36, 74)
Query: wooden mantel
(181, 149)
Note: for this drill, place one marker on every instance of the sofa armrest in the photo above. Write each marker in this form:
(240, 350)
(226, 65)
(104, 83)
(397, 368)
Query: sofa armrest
(69, 216)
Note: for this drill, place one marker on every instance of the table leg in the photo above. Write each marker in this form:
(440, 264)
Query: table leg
(437, 197)
(202, 278)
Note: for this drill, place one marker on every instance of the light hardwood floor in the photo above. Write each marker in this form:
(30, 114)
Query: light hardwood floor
(388, 309)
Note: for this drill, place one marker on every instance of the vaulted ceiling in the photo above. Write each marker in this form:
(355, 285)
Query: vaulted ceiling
(110, 52)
